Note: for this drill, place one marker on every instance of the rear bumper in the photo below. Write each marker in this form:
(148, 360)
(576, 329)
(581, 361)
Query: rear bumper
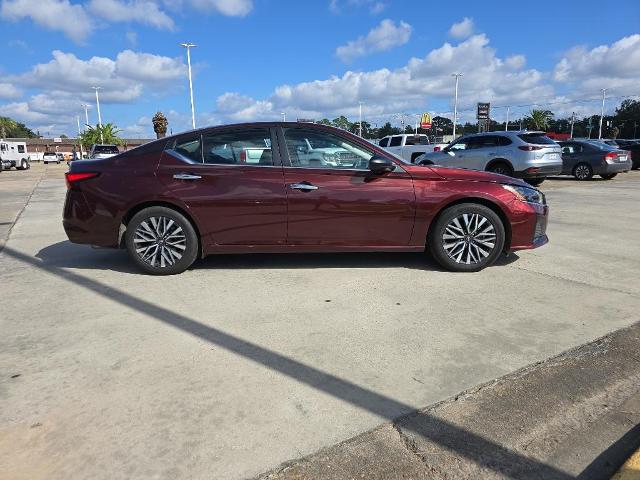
(539, 172)
(83, 225)
(609, 168)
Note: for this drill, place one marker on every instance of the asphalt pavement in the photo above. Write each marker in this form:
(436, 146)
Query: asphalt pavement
(245, 362)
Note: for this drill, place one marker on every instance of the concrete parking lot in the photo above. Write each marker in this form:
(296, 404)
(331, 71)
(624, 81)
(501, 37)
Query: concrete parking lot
(245, 362)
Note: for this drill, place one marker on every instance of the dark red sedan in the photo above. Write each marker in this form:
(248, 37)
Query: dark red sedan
(293, 187)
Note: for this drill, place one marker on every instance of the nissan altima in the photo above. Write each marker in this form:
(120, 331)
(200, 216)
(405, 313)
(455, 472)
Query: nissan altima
(257, 188)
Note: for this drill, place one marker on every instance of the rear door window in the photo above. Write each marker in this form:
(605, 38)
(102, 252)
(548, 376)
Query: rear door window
(384, 142)
(187, 148)
(536, 139)
(20, 148)
(396, 141)
(504, 141)
(238, 147)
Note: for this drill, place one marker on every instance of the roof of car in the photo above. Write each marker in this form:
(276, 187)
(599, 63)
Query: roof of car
(508, 133)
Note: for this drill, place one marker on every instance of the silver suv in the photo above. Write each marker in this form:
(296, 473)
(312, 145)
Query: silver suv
(531, 156)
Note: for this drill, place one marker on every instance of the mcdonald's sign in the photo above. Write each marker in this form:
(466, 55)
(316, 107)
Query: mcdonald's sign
(425, 121)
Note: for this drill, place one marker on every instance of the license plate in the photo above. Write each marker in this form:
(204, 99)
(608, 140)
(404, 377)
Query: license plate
(622, 158)
(553, 155)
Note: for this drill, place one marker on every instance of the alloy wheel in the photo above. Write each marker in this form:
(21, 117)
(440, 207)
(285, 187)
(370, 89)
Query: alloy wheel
(582, 172)
(160, 241)
(469, 238)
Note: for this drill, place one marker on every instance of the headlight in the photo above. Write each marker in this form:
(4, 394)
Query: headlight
(526, 194)
(331, 157)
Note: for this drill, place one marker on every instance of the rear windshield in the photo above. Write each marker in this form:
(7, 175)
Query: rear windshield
(109, 149)
(419, 140)
(602, 146)
(49, 154)
(537, 139)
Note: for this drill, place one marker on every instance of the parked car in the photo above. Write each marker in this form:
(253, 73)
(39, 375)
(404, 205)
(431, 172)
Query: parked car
(408, 146)
(622, 143)
(14, 154)
(531, 156)
(173, 200)
(103, 151)
(50, 157)
(583, 159)
(634, 152)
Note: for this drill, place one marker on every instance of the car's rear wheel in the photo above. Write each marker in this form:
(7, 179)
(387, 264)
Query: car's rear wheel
(583, 171)
(534, 182)
(161, 241)
(608, 176)
(466, 237)
(502, 168)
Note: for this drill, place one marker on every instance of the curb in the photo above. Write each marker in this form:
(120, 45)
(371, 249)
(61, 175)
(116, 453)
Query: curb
(631, 468)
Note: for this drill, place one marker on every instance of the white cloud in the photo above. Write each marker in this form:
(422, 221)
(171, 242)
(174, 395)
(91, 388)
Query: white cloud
(384, 37)
(615, 66)
(140, 11)
(9, 91)
(463, 29)
(231, 8)
(57, 15)
(122, 79)
(78, 20)
(375, 6)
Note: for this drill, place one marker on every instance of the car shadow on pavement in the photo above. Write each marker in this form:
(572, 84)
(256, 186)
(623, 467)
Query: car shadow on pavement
(69, 255)
(609, 461)
(486, 453)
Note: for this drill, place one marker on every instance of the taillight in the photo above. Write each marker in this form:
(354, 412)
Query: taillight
(73, 178)
(613, 156)
(529, 148)
(436, 149)
(243, 156)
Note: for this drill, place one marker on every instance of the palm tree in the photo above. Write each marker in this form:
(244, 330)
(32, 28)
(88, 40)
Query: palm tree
(92, 135)
(539, 119)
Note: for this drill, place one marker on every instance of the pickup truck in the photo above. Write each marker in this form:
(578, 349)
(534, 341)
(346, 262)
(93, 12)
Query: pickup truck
(103, 151)
(409, 147)
(325, 154)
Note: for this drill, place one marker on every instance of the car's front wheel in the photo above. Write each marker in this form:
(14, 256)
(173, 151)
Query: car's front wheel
(161, 241)
(466, 237)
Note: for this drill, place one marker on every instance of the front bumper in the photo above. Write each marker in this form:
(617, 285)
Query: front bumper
(529, 226)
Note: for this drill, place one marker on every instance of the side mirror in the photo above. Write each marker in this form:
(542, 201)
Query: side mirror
(380, 165)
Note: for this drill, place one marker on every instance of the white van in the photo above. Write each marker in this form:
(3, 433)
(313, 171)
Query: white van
(14, 154)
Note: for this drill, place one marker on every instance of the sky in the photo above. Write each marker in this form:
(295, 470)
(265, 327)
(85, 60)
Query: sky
(310, 59)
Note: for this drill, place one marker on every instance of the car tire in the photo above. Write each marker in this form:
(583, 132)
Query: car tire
(467, 237)
(582, 171)
(147, 230)
(501, 168)
(608, 176)
(534, 182)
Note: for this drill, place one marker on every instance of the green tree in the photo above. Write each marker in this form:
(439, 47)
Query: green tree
(325, 121)
(342, 122)
(109, 135)
(539, 119)
(387, 130)
(627, 117)
(10, 128)
(442, 125)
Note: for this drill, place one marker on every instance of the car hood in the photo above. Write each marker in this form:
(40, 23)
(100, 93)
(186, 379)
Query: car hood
(463, 174)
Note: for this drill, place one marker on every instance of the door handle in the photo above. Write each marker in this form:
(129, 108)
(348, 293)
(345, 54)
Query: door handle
(305, 187)
(186, 176)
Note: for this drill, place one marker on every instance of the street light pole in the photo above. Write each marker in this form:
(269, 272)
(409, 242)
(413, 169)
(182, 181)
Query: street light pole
(99, 116)
(573, 119)
(284, 116)
(86, 113)
(455, 104)
(189, 46)
(360, 122)
(604, 94)
(79, 139)
(506, 124)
